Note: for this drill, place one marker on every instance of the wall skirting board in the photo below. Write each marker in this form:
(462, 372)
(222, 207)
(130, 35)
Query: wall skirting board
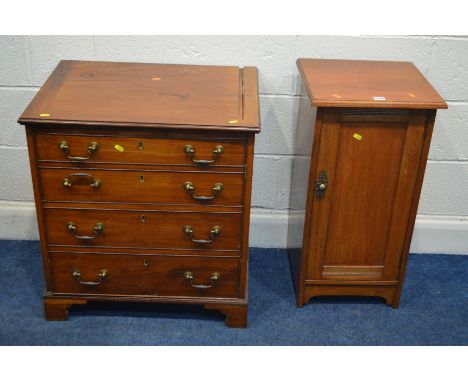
(432, 234)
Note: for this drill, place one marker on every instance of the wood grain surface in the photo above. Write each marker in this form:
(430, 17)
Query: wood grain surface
(357, 83)
(152, 95)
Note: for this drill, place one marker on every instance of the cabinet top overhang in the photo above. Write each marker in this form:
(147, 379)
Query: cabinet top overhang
(98, 93)
(367, 84)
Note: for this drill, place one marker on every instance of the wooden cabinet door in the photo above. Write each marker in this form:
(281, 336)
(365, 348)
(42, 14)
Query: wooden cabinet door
(371, 160)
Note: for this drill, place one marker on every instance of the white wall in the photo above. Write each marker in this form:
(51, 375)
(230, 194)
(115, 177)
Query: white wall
(442, 225)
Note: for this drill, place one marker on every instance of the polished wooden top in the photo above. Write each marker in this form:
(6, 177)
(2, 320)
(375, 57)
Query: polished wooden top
(148, 95)
(375, 84)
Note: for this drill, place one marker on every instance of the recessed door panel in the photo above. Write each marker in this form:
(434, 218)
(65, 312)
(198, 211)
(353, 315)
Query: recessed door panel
(366, 176)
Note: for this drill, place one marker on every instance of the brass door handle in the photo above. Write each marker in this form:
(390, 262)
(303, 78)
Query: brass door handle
(215, 276)
(190, 151)
(321, 185)
(93, 182)
(190, 188)
(215, 231)
(65, 148)
(97, 229)
(103, 273)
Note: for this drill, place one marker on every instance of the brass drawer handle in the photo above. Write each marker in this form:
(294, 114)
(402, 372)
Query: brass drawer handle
(65, 147)
(190, 188)
(101, 277)
(190, 151)
(93, 182)
(215, 276)
(321, 185)
(215, 231)
(97, 229)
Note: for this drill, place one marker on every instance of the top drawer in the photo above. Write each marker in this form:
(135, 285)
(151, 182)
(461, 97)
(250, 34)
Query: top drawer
(163, 151)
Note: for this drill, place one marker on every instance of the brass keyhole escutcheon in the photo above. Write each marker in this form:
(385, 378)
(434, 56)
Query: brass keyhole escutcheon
(146, 263)
(142, 179)
(143, 218)
(141, 146)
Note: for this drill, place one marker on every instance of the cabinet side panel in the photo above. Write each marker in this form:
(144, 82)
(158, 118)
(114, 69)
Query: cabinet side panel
(413, 163)
(298, 222)
(431, 115)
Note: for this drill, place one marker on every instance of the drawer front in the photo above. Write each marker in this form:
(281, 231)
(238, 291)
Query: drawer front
(143, 229)
(98, 149)
(144, 275)
(142, 186)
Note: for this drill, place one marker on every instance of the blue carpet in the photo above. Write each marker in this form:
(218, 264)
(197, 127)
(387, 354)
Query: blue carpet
(433, 310)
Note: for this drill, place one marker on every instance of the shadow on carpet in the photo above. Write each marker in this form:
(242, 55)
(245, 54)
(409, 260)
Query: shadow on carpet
(433, 310)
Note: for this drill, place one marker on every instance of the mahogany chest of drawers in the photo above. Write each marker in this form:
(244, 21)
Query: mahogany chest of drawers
(142, 179)
(364, 130)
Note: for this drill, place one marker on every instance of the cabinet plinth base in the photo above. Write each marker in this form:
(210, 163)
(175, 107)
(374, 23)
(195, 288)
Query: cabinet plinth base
(389, 293)
(56, 308)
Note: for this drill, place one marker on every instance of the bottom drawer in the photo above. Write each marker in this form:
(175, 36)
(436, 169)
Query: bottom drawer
(153, 275)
